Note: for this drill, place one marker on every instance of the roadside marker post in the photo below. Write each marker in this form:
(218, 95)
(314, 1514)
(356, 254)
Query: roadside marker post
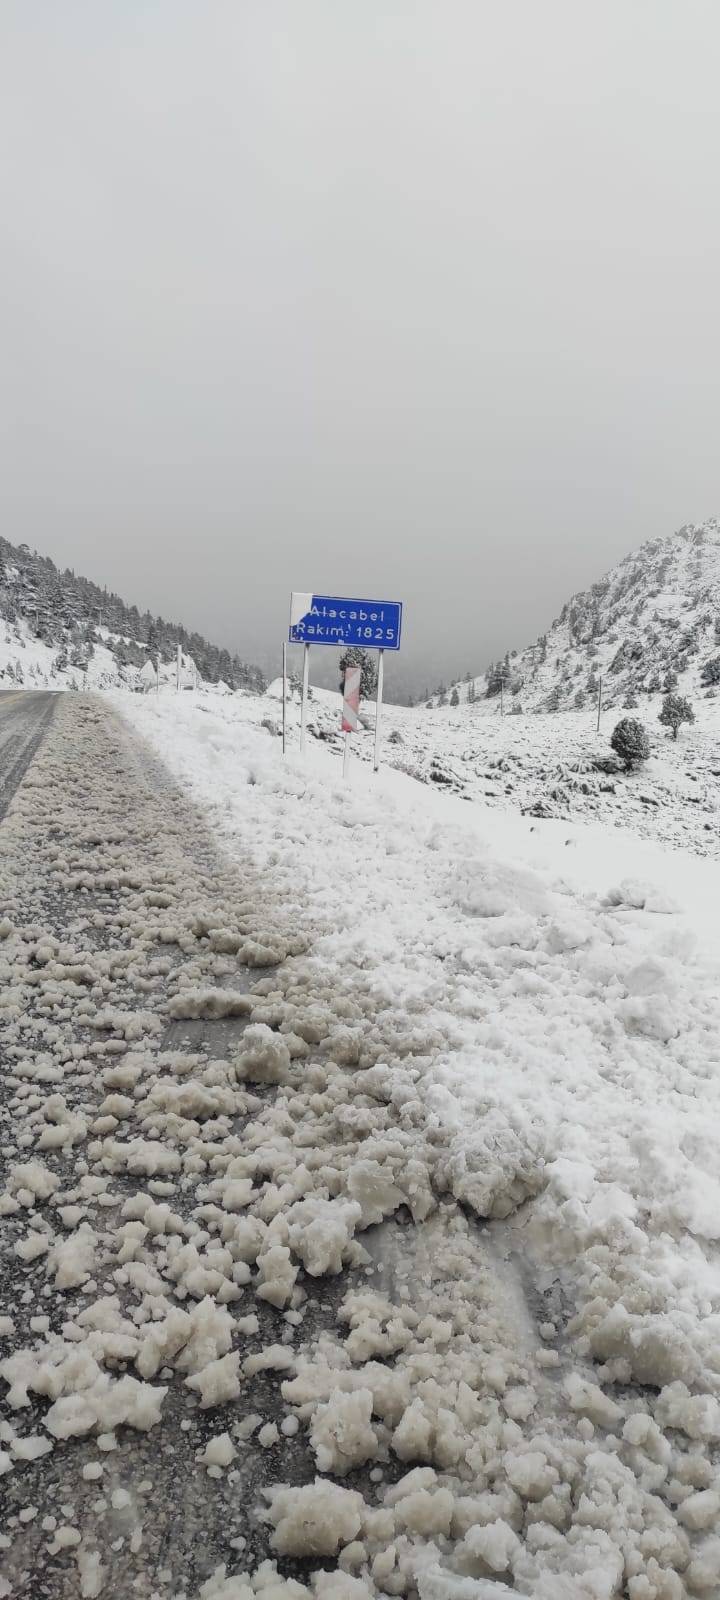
(350, 721)
(599, 702)
(338, 621)
(179, 668)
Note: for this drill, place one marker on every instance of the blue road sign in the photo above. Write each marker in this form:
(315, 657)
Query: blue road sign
(329, 619)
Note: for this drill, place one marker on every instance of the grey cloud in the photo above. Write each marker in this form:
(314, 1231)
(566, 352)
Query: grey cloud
(415, 300)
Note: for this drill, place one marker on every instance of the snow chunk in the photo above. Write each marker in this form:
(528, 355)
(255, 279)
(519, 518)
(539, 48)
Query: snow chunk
(263, 1056)
(700, 1510)
(320, 1232)
(104, 1406)
(590, 1401)
(92, 1574)
(187, 1339)
(314, 1520)
(218, 1381)
(209, 1003)
(73, 1259)
(219, 1451)
(496, 1544)
(531, 1474)
(413, 1437)
(146, 1156)
(341, 1433)
(276, 1276)
(697, 1415)
(494, 1167)
(340, 1586)
(426, 1511)
(31, 1447)
(34, 1177)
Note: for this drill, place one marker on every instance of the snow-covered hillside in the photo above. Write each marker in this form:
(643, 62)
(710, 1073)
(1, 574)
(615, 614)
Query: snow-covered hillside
(61, 631)
(651, 623)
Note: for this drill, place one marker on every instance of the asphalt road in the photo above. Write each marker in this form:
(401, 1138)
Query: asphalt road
(24, 717)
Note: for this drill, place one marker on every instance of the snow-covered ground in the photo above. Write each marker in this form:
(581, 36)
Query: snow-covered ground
(543, 764)
(540, 1007)
(478, 1089)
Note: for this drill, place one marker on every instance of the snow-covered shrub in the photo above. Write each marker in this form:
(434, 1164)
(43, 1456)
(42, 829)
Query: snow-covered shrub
(630, 742)
(710, 673)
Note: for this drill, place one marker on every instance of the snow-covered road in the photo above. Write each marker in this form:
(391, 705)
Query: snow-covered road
(24, 718)
(343, 1261)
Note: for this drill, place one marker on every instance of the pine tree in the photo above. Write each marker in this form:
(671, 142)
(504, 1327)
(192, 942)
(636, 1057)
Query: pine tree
(630, 742)
(455, 698)
(676, 709)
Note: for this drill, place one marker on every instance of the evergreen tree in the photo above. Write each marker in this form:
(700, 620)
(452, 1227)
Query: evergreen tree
(676, 709)
(454, 698)
(630, 742)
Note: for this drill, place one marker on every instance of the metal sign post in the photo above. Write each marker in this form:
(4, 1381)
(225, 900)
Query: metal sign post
(303, 703)
(378, 709)
(284, 695)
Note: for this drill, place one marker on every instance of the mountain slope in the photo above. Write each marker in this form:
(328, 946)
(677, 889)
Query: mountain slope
(652, 622)
(63, 630)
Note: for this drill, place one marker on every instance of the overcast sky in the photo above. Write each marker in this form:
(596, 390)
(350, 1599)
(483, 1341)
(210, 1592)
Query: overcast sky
(418, 301)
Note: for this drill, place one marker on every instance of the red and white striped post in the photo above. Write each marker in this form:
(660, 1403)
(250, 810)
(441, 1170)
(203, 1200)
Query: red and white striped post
(350, 708)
